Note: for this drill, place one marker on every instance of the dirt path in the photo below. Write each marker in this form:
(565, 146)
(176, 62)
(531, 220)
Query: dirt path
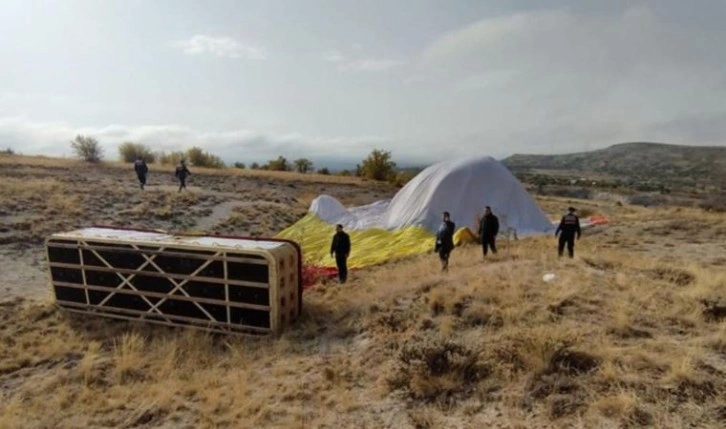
(23, 276)
(219, 213)
(224, 210)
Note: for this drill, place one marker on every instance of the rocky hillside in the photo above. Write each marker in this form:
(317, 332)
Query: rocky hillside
(637, 161)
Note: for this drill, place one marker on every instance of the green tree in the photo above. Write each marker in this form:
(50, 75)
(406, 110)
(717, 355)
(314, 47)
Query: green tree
(324, 171)
(200, 158)
(378, 166)
(171, 158)
(129, 152)
(403, 177)
(255, 166)
(240, 165)
(303, 165)
(279, 164)
(87, 148)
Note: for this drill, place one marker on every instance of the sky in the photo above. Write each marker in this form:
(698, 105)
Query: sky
(331, 80)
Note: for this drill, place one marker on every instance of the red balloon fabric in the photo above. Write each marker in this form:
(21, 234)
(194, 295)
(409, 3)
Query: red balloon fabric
(313, 274)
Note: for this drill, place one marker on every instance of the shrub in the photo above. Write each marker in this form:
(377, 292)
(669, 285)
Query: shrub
(255, 166)
(240, 165)
(87, 148)
(172, 158)
(648, 200)
(403, 177)
(7, 151)
(279, 164)
(431, 369)
(378, 166)
(303, 165)
(714, 203)
(566, 192)
(324, 171)
(585, 212)
(201, 158)
(129, 152)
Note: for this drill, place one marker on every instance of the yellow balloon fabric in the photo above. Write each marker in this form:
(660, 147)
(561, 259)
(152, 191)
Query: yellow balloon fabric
(368, 247)
(465, 236)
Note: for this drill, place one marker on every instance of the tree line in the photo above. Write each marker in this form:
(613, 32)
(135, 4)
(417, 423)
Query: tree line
(378, 165)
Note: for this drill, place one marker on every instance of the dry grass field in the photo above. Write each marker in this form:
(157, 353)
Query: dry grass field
(630, 333)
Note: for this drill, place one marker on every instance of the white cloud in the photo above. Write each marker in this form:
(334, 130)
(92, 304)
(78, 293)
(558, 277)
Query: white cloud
(222, 47)
(333, 56)
(370, 64)
(52, 138)
(415, 79)
(360, 64)
(485, 80)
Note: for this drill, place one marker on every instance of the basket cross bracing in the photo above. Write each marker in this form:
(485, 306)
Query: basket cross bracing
(220, 284)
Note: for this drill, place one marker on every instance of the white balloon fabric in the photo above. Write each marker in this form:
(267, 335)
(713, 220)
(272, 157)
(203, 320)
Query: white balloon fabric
(462, 187)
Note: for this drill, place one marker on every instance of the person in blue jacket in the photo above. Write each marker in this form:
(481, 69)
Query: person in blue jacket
(567, 230)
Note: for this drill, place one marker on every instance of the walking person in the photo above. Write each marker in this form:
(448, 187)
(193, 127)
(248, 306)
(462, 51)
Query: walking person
(181, 173)
(569, 228)
(340, 249)
(488, 230)
(141, 171)
(445, 240)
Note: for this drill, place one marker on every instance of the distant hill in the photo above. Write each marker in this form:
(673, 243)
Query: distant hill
(636, 161)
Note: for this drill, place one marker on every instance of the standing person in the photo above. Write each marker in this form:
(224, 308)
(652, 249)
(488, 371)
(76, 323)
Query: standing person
(488, 230)
(181, 173)
(568, 228)
(141, 171)
(445, 240)
(340, 248)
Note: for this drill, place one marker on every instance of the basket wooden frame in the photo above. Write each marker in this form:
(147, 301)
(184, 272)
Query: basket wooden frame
(101, 275)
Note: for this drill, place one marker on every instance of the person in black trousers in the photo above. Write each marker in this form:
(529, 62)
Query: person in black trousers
(569, 228)
(340, 248)
(141, 171)
(181, 173)
(488, 230)
(445, 241)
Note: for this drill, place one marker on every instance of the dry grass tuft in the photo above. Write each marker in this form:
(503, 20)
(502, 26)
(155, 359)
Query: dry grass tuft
(128, 356)
(436, 369)
(676, 276)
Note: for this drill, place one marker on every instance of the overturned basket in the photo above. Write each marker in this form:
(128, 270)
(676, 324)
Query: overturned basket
(217, 283)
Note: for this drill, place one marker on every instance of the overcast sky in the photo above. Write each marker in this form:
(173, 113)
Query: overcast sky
(426, 79)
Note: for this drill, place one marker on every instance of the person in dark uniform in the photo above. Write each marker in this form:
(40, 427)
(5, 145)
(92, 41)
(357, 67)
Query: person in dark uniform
(568, 228)
(340, 249)
(445, 240)
(488, 230)
(141, 171)
(181, 173)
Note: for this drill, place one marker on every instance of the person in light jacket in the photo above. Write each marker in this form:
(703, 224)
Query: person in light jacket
(141, 171)
(445, 240)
